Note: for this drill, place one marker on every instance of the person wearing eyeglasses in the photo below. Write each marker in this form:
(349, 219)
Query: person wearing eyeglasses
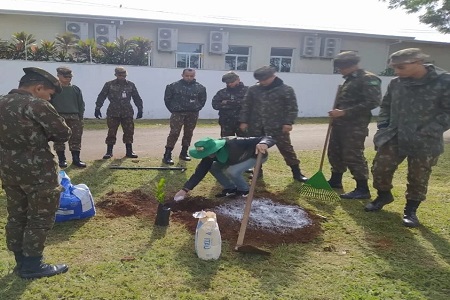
(119, 92)
(414, 114)
(70, 105)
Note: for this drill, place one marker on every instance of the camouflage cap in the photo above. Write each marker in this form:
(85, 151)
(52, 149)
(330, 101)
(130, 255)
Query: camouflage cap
(346, 59)
(264, 73)
(64, 71)
(40, 74)
(120, 70)
(407, 56)
(230, 77)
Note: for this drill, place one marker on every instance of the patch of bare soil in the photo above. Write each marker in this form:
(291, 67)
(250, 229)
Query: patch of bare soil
(140, 204)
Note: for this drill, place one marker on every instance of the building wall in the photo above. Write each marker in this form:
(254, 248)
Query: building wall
(315, 92)
(374, 51)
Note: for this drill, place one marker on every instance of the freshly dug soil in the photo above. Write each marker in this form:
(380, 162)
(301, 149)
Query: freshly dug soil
(140, 204)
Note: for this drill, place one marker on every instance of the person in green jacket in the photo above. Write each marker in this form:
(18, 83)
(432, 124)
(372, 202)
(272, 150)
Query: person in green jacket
(70, 105)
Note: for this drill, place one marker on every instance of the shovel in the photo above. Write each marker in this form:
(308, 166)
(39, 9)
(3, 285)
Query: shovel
(248, 205)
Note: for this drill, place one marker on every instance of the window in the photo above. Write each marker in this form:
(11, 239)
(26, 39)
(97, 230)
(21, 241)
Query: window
(281, 59)
(237, 58)
(189, 56)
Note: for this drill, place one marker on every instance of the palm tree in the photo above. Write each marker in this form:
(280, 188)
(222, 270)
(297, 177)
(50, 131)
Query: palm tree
(65, 43)
(21, 43)
(124, 50)
(87, 51)
(109, 53)
(140, 56)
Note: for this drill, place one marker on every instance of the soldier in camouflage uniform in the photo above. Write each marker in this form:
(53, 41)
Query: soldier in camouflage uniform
(358, 95)
(119, 92)
(228, 102)
(28, 169)
(270, 108)
(414, 114)
(184, 99)
(70, 105)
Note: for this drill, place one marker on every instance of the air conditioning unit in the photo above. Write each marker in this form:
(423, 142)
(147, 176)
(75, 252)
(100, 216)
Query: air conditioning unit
(167, 39)
(331, 47)
(79, 29)
(105, 33)
(311, 46)
(218, 42)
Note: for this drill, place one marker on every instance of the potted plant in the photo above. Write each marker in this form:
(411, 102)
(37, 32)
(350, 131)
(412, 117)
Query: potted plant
(163, 212)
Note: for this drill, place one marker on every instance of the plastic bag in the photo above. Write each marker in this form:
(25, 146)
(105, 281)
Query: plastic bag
(208, 242)
(75, 202)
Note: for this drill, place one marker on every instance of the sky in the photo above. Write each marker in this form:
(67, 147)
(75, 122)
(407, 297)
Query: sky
(363, 16)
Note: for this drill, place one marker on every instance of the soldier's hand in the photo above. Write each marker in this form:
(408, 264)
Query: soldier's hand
(180, 195)
(139, 115)
(287, 128)
(97, 113)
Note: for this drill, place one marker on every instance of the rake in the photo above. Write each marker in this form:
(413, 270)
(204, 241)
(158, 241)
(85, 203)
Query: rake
(317, 186)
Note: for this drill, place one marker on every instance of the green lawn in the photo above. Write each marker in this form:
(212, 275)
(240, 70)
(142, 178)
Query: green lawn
(373, 255)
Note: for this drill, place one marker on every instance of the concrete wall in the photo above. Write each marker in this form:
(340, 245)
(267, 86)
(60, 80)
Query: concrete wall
(315, 92)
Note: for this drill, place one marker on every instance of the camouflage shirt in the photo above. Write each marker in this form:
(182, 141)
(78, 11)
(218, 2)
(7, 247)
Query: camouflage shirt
(267, 108)
(183, 96)
(233, 97)
(359, 94)
(417, 111)
(119, 94)
(28, 124)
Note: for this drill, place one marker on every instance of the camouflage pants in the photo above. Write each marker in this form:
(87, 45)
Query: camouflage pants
(346, 150)
(113, 125)
(229, 126)
(386, 162)
(31, 215)
(178, 120)
(76, 125)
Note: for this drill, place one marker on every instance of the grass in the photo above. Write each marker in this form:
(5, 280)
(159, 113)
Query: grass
(373, 255)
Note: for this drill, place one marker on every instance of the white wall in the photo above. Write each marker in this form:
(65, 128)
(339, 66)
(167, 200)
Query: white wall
(315, 92)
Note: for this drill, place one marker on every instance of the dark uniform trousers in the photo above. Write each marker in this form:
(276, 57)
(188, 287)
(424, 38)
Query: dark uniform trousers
(187, 120)
(286, 149)
(346, 150)
(386, 162)
(76, 125)
(31, 215)
(113, 123)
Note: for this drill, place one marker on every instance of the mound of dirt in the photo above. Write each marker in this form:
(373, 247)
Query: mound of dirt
(140, 204)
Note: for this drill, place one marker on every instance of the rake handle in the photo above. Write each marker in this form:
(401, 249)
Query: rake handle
(327, 137)
(248, 203)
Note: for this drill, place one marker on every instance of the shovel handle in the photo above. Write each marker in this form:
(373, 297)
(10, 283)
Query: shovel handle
(248, 203)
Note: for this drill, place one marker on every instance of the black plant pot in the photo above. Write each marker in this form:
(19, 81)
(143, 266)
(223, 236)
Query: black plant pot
(162, 215)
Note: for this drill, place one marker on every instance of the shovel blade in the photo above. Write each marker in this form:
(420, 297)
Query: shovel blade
(251, 249)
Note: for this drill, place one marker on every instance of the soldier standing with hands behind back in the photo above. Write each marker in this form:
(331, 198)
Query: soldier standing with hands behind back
(228, 102)
(70, 105)
(359, 94)
(184, 99)
(119, 91)
(28, 169)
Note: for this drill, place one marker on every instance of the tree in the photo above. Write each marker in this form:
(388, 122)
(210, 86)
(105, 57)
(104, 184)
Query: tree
(435, 13)
(65, 43)
(21, 44)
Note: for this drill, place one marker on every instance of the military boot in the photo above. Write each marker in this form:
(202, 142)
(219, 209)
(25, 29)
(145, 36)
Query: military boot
(18, 256)
(76, 161)
(335, 180)
(167, 158)
(184, 154)
(361, 191)
(383, 198)
(109, 152)
(409, 214)
(62, 161)
(34, 267)
(297, 174)
(129, 151)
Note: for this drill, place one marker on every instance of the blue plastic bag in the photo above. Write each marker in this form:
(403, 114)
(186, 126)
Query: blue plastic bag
(75, 202)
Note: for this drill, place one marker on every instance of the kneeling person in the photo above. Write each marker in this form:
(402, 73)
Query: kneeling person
(227, 160)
